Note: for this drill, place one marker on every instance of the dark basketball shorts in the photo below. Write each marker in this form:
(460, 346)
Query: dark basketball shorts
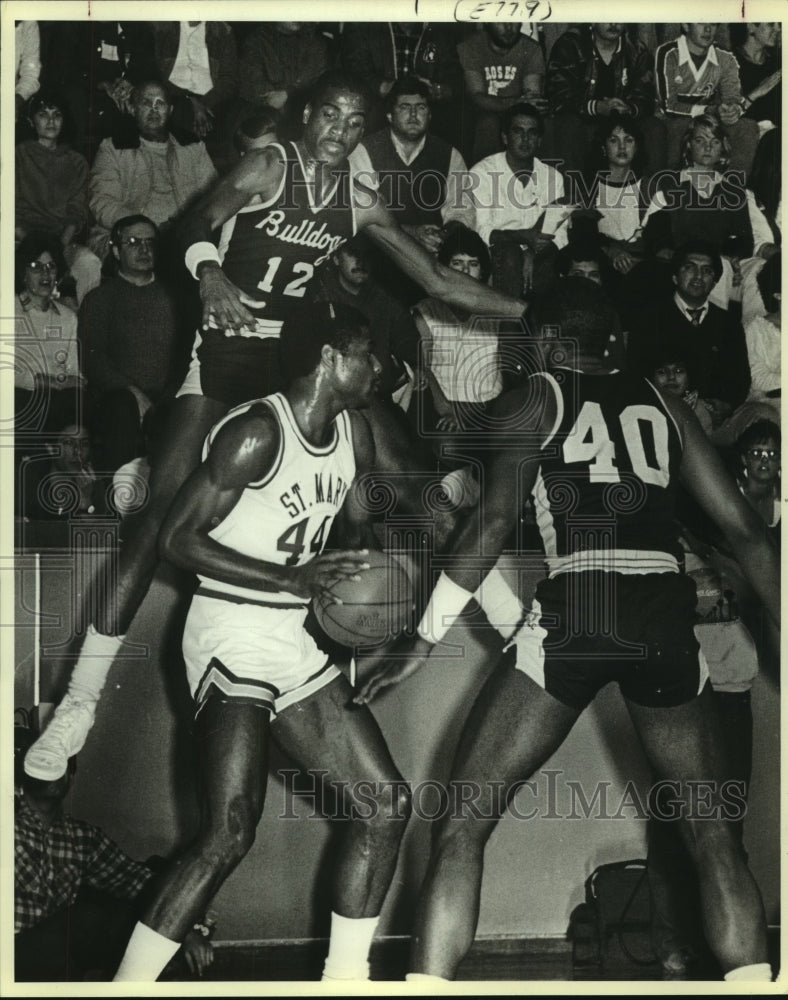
(587, 629)
(235, 369)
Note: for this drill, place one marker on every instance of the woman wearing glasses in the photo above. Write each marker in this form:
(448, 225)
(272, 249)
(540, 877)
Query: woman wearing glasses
(759, 477)
(46, 370)
(47, 379)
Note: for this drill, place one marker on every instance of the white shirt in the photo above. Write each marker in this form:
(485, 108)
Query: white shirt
(685, 58)
(463, 355)
(764, 351)
(192, 70)
(28, 62)
(45, 343)
(620, 208)
(504, 202)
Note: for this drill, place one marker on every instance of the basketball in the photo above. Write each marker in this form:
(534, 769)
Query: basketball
(374, 608)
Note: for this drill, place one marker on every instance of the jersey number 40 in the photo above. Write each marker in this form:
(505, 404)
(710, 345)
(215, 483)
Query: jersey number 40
(589, 441)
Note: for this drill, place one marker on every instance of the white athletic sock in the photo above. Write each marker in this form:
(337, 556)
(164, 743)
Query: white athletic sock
(760, 973)
(503, 608)
(95, 659)
(146, 956)
(348, 947)
(422, 977)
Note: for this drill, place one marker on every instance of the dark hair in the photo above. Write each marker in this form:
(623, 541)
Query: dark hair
(756, 432)
(578, 310)
(311, 328)
(460, 239)
(765, 179)
(407, 84)
(674, 352)
(577, 250)
(697, 246)
(123, 224)
(522, 108)
(607, 126)
(263, 119)
(52, 99)
(769, 280)
(339, 79)
(30, 248)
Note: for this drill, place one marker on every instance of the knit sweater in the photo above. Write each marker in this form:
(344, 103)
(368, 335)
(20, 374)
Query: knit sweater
(51, 187)
(128, 337)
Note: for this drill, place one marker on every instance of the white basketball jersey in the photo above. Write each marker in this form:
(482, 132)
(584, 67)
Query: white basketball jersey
(285, 518)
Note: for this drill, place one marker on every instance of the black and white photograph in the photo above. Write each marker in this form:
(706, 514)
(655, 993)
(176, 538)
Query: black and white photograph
(362, 383)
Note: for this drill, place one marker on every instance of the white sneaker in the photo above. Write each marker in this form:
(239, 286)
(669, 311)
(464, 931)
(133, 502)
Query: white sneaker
(47, 758)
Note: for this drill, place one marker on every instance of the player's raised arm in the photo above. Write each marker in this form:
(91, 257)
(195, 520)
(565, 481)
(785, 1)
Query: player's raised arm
(258, 173)
(509, 474)
(435, 278)
(710, 483)
(242, 452)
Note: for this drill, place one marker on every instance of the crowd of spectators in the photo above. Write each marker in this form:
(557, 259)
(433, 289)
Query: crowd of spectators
(643, 157)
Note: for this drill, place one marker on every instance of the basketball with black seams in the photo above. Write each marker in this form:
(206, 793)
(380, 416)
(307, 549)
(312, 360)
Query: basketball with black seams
(374, 608)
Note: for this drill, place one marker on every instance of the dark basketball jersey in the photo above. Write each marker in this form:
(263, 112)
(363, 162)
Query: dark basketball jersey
(270, 251)
(605, 493)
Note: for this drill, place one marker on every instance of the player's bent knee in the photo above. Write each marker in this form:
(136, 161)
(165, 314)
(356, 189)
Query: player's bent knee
(226, 844)
(385, 808)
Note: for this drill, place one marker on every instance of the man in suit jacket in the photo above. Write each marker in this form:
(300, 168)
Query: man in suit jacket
(710, 339)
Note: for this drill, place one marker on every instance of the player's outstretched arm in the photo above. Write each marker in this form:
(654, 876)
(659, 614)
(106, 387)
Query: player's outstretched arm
(710, 483)
(436, 279)
(243, 452)
(509, 474)
(259, 172)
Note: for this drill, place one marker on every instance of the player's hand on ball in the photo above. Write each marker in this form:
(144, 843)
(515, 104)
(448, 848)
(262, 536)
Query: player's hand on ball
(222, 301)
(316, 578)
(402, 660)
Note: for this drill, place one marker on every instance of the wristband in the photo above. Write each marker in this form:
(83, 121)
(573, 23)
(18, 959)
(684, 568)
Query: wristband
(444, 607)
(197, 254)
(500, 604)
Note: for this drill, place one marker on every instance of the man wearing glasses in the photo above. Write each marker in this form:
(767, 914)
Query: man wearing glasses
(128, 333)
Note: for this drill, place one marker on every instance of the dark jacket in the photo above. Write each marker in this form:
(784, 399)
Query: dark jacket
(715, 351)
(573, 71)
(73, 52)
(222, 57)
(722, 219)
(368, 51)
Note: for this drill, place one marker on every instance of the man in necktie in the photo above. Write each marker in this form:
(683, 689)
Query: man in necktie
(711, 339)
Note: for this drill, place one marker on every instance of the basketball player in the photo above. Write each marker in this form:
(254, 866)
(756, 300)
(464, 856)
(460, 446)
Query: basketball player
(282, 210)
(602, 454)
(286, 463)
